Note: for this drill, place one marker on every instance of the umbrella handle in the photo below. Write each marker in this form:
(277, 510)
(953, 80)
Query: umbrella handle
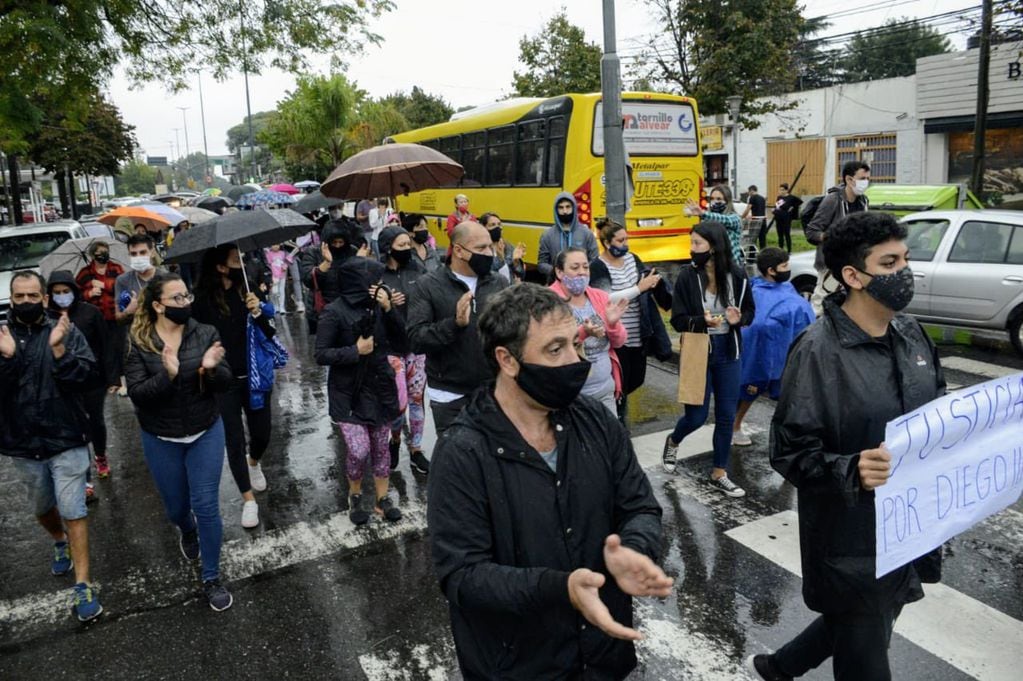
(245, 278)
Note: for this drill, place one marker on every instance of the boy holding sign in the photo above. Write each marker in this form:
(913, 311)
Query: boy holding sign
(857, 368)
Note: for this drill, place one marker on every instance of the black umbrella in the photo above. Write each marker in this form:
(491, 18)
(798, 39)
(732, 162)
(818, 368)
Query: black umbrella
(310, 203)
(249, 230)
(240, 191)
(213, 203)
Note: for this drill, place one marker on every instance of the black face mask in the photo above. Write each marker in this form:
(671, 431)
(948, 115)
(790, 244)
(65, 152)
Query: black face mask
(782, 277)
(565, 218)
(178, 315)
(102, 258)
(700, 260)
(495, 234)
(28, 313)
(402, 257)
(481, 263)
(236, 275)
(421, 237)
(338, 253)
(553, 387)
(894, 290)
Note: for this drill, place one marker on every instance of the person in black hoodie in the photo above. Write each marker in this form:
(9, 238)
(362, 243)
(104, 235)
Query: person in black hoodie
(442, 318)
(318, 265)
(712, 296)
(224, 302)
(860, 366)
(175, 366)
(541, 519)
(65, 296)
(357, 333)
(402, 272)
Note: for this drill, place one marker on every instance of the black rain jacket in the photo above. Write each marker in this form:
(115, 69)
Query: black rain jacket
(506, 532)
(88, 319)
(839, 390)
(403, 280)
(41, 414)
(687, 304)
(454, 354)
(185, 405)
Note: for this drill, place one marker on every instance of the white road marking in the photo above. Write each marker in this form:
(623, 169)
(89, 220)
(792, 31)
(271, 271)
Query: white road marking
(962, 631)
(649, 447)
(977, 368)
(240, 559)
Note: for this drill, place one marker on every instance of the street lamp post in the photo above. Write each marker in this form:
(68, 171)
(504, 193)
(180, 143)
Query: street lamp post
(734, 106)
(208, 170)
(184, 122)
(614, 145)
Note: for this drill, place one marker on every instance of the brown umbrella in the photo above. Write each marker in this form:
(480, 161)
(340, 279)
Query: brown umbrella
(391, 170)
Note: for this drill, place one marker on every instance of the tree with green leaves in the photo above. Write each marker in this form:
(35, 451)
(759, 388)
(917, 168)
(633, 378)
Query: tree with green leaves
(312, 130)
(419, 108)
(558, 59)
(93, 140)
(891, 51)
(815, 65)
(375, 121)
(714, 49)
(134, 178)
(238, 135)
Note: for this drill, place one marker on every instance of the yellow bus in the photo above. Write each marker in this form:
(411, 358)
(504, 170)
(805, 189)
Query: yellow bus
(519, 154)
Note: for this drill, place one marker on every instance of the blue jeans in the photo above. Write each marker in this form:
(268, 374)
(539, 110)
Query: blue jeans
(188, 479)
(723, 376)
(58, 481)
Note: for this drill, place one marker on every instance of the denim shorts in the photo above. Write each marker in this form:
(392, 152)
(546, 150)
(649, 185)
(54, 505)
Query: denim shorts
(58, 481)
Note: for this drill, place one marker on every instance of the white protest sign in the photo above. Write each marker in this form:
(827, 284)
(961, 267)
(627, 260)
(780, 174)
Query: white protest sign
(955, 461)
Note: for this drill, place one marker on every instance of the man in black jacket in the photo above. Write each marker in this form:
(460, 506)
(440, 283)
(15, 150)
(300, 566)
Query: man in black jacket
(857, 368)
(442, 318)
(543, 524)
(44, 429)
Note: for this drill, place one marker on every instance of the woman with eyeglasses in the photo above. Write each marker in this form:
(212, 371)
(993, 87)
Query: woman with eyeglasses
(174, 368)
(226, 303)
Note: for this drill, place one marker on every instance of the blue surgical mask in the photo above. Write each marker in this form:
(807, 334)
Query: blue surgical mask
(64, 300)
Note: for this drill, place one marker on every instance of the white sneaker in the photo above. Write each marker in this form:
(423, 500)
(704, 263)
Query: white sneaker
(741, 439)
(727, 487)
(256, 478)
(250, 514)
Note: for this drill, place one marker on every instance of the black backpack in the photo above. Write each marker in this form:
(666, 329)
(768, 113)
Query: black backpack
(811, 206)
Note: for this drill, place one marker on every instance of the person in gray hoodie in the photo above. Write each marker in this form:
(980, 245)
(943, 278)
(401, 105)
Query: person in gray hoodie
(566, 231)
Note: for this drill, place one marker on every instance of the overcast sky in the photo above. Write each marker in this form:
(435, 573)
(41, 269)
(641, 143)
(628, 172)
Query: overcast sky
(463, 50)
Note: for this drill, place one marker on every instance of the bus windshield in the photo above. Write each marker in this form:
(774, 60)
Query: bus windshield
(652, 129)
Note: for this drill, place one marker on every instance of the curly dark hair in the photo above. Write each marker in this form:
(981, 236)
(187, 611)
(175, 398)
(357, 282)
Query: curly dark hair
(850, 240)
(505, 321)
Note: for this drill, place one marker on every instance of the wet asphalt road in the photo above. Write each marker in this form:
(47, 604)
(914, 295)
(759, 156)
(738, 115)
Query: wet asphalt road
(317, 599)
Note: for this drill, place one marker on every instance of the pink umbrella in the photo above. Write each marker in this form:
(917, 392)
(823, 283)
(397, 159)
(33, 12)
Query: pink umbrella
(286, 188)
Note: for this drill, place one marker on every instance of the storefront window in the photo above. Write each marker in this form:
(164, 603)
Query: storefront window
(1003, 163)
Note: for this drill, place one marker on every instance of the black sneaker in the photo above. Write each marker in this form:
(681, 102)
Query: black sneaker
(419, 463)
(762, 667)
(189, 545)
(387, 509)
(395, 447)
(357, 514)
(727, 487)
(217, 595)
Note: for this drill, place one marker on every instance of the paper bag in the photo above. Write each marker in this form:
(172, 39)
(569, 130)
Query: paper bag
(692, 368)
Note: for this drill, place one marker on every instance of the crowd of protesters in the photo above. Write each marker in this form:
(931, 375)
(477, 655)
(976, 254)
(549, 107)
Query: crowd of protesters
(503, 364)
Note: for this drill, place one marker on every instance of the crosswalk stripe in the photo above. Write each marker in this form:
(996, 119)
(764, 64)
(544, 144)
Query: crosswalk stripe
(969, 635)
(649, 447)
(976, 367)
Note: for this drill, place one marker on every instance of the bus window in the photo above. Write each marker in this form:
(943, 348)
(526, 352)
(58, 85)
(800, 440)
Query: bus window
(555, 150)
(474, 152)
(529, 154)
(452, 147)
(500, 155)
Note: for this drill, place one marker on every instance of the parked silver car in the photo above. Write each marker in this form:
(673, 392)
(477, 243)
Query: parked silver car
(22, 248)
(968, 266)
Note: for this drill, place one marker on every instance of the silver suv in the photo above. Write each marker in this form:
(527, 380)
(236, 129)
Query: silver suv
(968, 266)
(21, 248)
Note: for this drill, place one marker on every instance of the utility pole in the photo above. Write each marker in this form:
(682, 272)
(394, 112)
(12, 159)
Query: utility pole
(208, 170)
(983, 94)
(614, 145)
(734, 104)
(184, 122)
(248, 101)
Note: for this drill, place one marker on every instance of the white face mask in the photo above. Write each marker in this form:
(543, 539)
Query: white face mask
(140, 263)
(861, 187)
(64, 300)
